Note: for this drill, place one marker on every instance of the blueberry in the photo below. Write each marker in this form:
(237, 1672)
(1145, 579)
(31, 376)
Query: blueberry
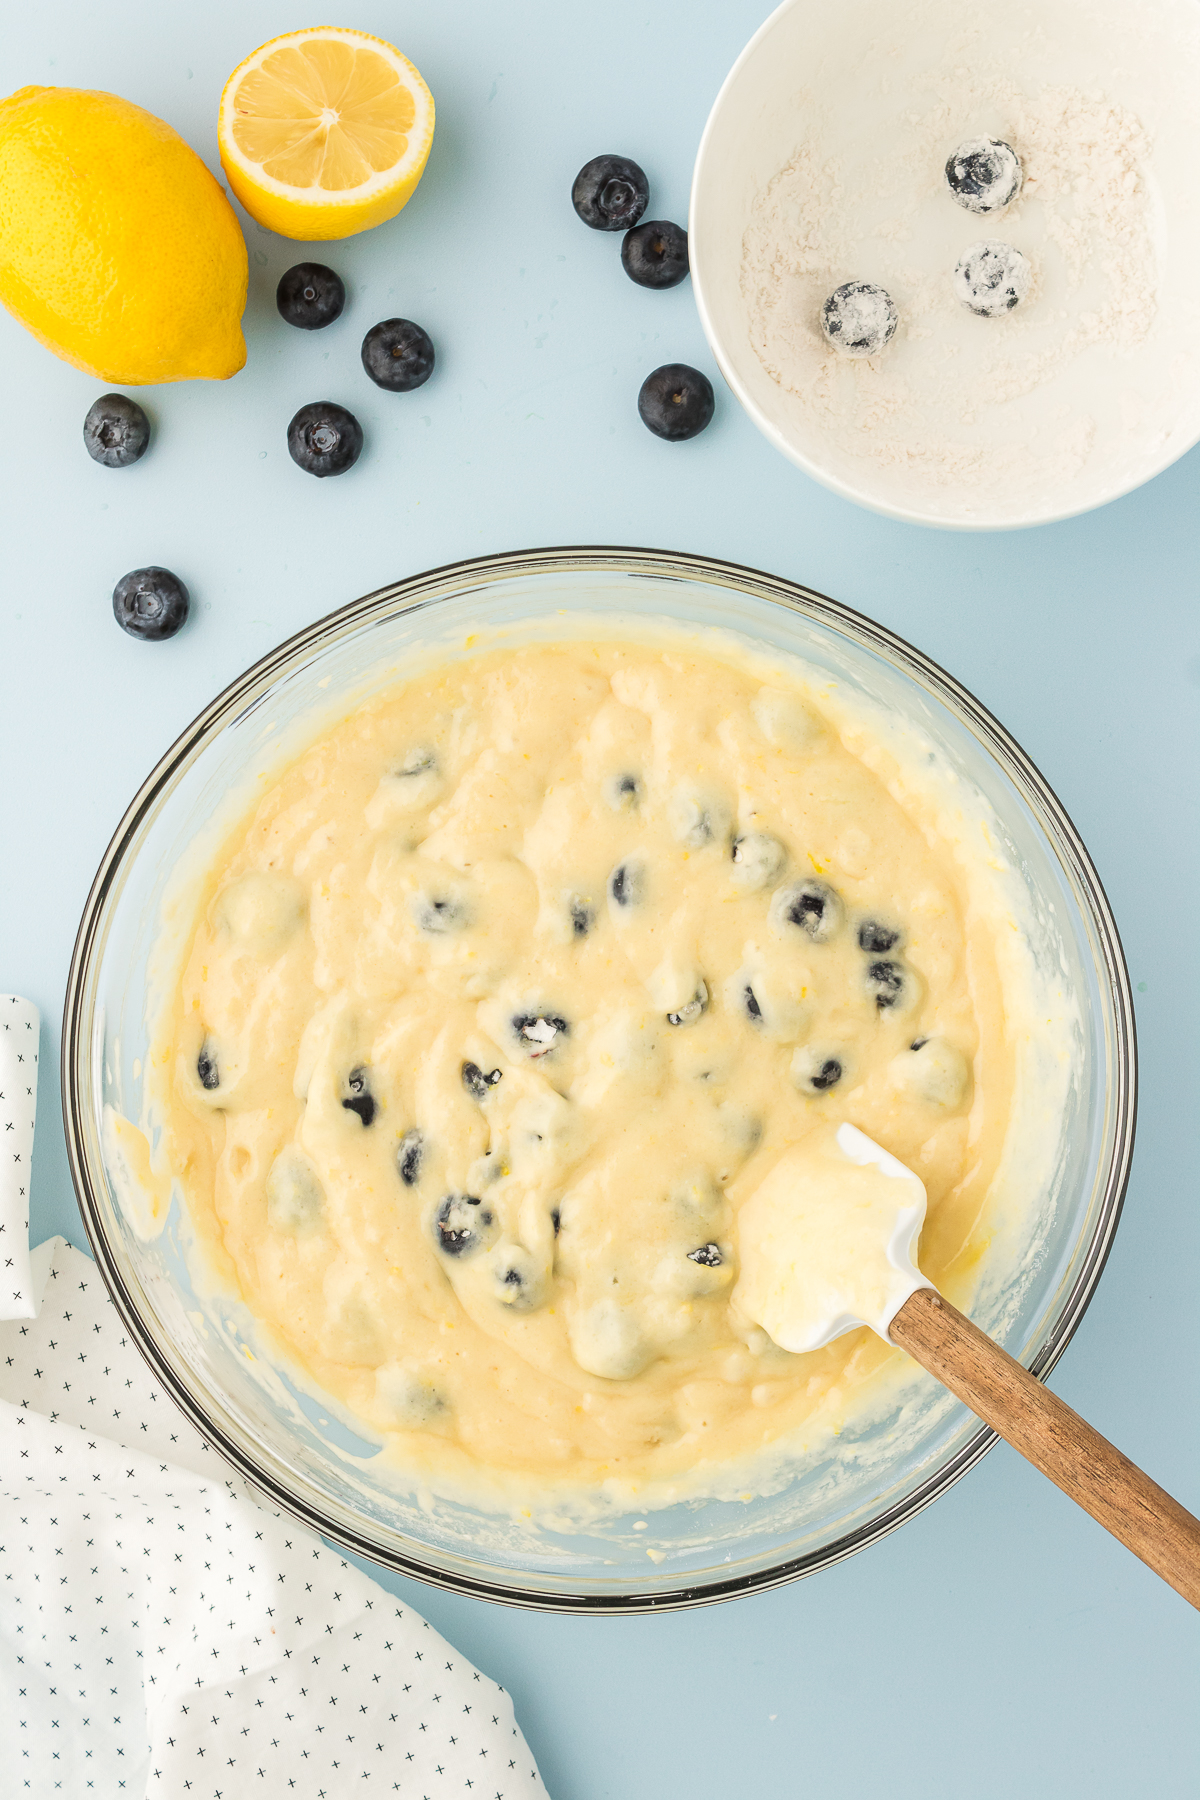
(206, 1067)
(757, 859)
(811, 906)
(459, 1229)
(984, 174)
(875, 938)
(517, 1278)
(418, 762)
(324, 438)
(859, 318)
(116, 431)
(885, 983)
(360, 1099)
(708, 1256)
(438, 916)
(409, 1153)
(991, 278)
(151, 604)
(398, 355)
(626, 884)
(827, 1076)
(294, 1193)
(583, 916)
(750, 1000)
(692, 1009)
(539, 1032)
(477, 1084)
(676, 402)
(816, 1071)
(556, 1219)
(655, 254)
(310, 296)
(610, 193)
(694, 822)
(623, 792)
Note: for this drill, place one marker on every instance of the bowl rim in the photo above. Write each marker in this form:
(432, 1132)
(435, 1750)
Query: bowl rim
(848, 490)
(409, 594)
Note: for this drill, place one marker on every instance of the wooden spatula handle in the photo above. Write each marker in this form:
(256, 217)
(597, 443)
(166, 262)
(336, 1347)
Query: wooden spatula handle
(1055, 1439)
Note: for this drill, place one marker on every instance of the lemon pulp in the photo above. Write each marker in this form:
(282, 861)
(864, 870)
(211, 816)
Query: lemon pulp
(325, 132)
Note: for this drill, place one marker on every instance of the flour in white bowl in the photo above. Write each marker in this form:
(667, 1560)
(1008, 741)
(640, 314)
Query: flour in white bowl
(956, 402)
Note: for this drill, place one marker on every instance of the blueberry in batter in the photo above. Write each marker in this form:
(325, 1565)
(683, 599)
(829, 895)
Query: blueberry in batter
(206, 1067)
(462, 1223)
(360, 1099)
(811, 906)
(409, 1155)
(477, 1084)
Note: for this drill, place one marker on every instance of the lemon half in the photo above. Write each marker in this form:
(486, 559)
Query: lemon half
(325, 132)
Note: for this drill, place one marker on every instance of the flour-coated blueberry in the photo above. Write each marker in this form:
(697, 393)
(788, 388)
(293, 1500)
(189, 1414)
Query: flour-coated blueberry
(991, 278)
(984, 174)
(876, 938)
(859, 318)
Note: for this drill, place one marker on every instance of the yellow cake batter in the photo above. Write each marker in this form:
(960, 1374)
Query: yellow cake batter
(507, 995)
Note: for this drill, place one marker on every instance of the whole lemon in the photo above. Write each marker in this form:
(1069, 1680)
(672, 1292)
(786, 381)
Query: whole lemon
(118, 249)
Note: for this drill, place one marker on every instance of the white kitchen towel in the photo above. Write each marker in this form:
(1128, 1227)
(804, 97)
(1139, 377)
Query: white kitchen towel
(21, 1282)
(164, 1635)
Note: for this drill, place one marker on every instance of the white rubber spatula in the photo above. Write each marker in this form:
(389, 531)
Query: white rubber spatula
(827, 1243)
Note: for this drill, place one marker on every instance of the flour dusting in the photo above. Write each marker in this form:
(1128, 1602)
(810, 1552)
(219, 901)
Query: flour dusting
(956, 402)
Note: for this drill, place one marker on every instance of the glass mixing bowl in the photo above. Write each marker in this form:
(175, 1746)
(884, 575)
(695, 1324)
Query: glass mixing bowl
(290, 1441)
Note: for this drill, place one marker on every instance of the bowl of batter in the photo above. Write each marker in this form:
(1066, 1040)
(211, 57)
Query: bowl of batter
(454, 981)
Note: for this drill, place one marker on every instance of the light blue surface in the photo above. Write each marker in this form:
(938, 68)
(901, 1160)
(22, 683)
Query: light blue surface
(1000, 1643)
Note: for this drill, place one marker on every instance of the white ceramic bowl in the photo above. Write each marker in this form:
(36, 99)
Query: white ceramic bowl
(1088, 389)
